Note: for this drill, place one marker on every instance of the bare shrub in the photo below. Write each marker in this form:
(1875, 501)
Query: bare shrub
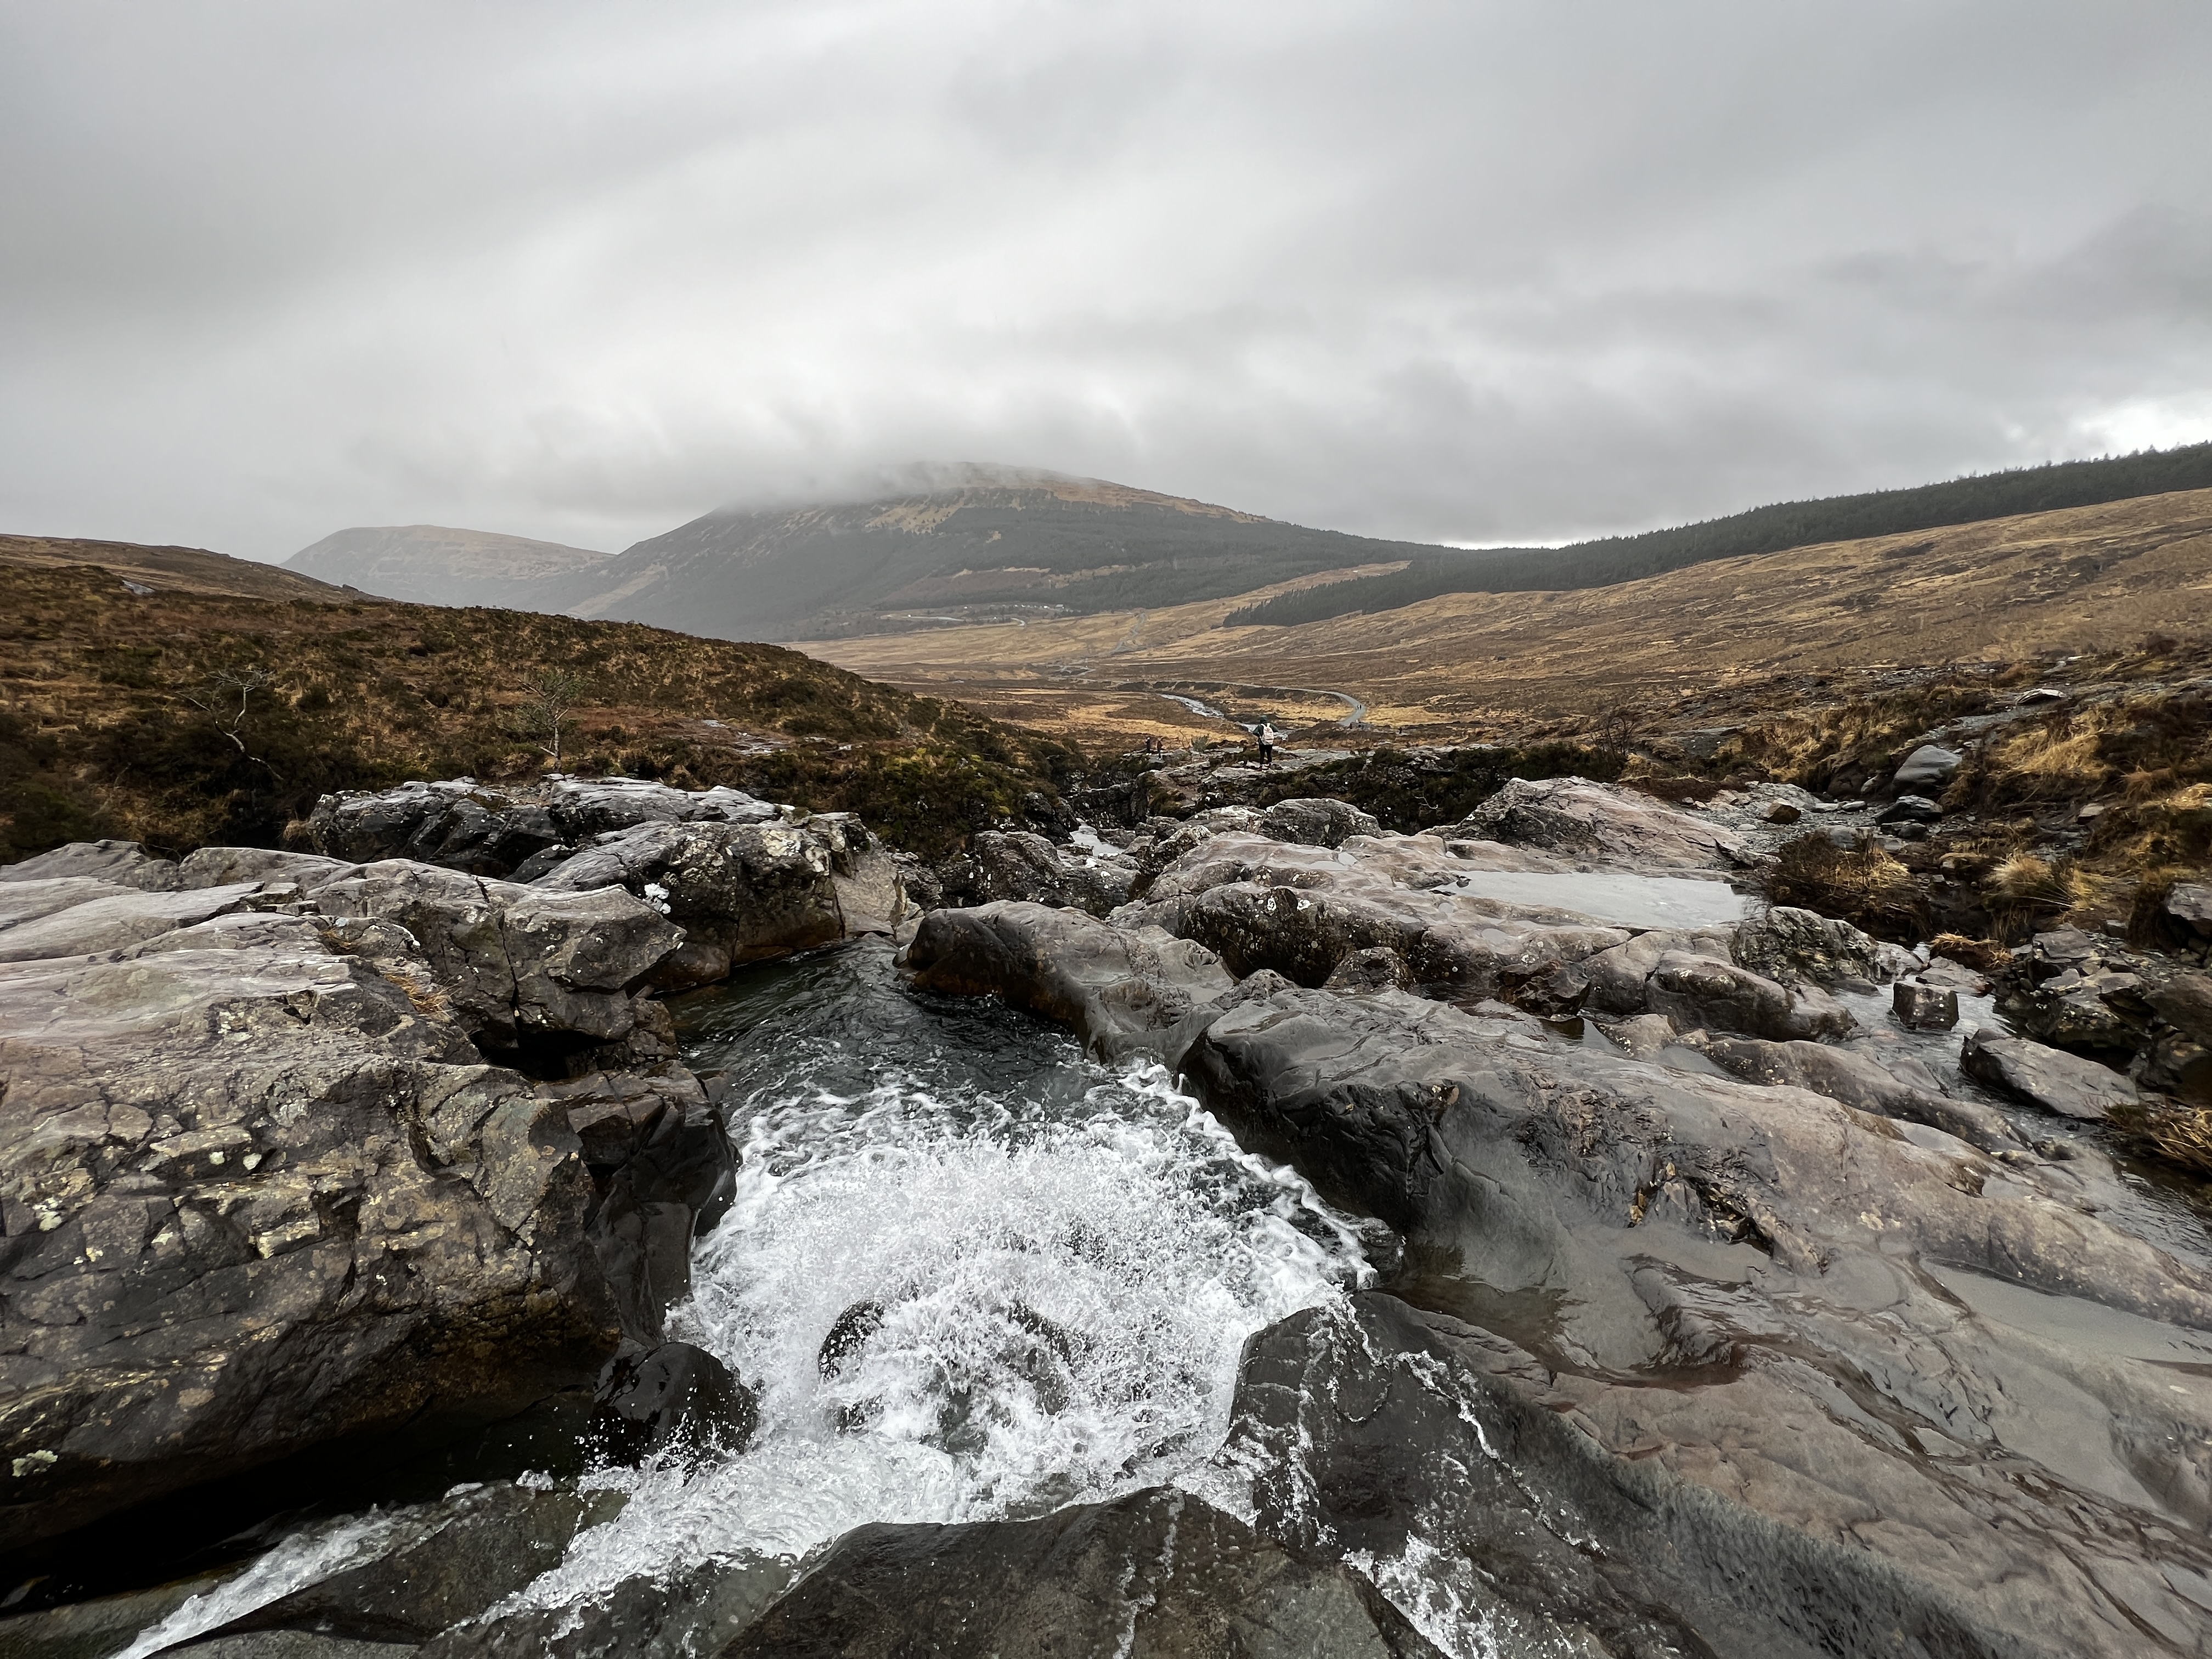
(1863, 885)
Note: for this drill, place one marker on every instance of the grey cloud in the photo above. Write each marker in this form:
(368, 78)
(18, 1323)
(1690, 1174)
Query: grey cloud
(1472, 272)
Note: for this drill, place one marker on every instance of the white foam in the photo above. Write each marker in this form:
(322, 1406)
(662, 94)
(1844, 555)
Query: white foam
(305, 1558)
(1615, 897)
(1055, 1301)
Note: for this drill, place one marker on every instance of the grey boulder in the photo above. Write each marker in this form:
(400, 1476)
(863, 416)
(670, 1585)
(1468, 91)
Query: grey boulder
(525, 970)
(1602, 826)
(742, 892)
(1910, 809)
(1790, 944)
(1930, 764)
(1124, 991)
(2042, 1075)
(494, 831)
(1315, 821)
(1694, 990)
(1921, 1007)
(247, 1182)
(1019, 865)
(2189, 903)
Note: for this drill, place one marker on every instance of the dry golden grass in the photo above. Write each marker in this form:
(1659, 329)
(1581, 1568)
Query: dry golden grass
(175, 570)
(2061, 760)
(2179, 1135)
(1483, 665)
(428, 999)
(1985, 955)
(1863, 885)
(109, 723)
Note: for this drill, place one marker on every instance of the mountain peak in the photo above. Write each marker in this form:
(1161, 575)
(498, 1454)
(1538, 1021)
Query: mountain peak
(436, 564)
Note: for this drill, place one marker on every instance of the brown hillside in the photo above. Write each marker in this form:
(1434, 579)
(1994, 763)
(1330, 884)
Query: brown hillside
(2091, 578)
(172, 569)
(116, 709)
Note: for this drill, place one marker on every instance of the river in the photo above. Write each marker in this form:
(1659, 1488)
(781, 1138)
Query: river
(972, 1275)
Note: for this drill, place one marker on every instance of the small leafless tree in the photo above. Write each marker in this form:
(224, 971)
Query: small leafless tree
(216, 695)
(1617, 727)
(547, 698)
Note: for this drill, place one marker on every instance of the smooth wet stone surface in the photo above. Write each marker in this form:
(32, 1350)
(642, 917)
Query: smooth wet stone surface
(1159, 1574)
(1601, 1288)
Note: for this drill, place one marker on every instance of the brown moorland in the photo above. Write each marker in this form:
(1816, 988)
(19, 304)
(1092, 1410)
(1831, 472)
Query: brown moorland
(176, 569)
(1506, 665)
(182, 716)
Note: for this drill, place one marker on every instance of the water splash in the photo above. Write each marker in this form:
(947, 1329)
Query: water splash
(959, 1304)
(307, 1557)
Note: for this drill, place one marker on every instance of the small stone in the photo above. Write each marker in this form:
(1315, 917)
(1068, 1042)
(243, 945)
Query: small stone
(1910, 809)
(1378, 968)
(1782, 812)
(1923, 1007)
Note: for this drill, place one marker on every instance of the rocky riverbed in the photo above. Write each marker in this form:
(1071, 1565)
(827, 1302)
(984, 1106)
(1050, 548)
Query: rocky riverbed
(602, 1218)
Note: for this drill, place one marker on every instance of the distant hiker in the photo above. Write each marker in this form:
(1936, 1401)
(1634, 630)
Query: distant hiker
(1268, 735)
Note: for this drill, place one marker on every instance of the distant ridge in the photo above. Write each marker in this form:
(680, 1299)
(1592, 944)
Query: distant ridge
(1775, 529)
(172, 570)
(432, 564)
(978, 544)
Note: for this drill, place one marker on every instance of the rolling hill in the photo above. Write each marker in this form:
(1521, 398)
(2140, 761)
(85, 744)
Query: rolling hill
(977, 545)
(430, 564)
(1479, 665)
(172, 569)
(1001, 544)
(1773, 529)
(217, 711)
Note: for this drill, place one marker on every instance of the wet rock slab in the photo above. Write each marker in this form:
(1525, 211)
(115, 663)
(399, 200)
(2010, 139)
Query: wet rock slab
(441, 1567)
(1159, 1574)
(2045, 1077)
(680, 1615)
(261, 1189)
(1602, 828)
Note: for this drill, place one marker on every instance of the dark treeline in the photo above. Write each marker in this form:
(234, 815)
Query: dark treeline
(1762, 530)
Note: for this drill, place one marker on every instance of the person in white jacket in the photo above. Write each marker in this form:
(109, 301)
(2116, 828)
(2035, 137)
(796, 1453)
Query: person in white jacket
(1268, 737)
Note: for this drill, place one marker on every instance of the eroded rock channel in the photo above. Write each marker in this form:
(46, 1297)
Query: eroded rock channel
(600, 1219)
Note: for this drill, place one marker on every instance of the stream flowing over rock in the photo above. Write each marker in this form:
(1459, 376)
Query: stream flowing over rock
(1793, 1345)
(1252, 1233)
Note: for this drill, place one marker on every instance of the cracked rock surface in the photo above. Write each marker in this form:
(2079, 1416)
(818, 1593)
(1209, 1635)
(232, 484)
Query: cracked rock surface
(1741, 1333)
(261, 1186)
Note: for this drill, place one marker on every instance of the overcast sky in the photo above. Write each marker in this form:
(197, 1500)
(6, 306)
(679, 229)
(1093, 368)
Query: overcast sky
(1437, 269)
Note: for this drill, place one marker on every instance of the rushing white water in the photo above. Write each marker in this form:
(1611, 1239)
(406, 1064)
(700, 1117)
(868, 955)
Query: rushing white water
(305, 1558)
(1616, 896)
(959, 1304)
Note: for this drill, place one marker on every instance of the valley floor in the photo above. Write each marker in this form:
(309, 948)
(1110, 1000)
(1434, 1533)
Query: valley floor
(1487, 665)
